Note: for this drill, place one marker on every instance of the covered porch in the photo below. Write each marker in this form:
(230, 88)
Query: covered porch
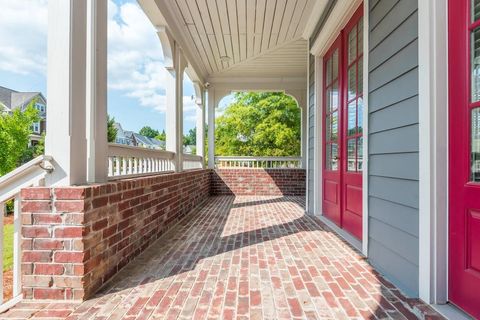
(110, 231)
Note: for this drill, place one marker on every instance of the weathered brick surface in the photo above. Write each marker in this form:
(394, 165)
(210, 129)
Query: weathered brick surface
(259, 182)
(75, 239)
(241, 258)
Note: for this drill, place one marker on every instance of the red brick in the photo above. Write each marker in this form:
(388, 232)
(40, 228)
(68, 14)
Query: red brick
(49, 294)
(70, 206)
(35, 232)
(47, 244)
(69, 232)
(36, 206)
(35, 194)
(48, 269)
(70, 193)
(36, 256)
(46, 218)
(69, 257)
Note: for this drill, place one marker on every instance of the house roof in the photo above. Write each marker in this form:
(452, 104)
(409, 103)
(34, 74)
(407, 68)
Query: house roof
(6, 96)
(13, 99)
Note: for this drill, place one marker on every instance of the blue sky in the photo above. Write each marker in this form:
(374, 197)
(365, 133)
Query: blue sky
(136, 76)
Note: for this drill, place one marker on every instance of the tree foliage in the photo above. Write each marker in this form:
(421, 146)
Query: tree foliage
(190, 139)
(15, 129)
(148, 132)
(259, 124)
(111, 129)
(161, 136)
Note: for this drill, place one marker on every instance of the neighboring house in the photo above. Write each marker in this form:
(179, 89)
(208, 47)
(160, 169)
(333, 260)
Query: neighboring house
(145, 142)
(122, 137)
(11, 100)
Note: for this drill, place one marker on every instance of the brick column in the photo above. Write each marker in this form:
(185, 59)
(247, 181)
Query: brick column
(52, 243)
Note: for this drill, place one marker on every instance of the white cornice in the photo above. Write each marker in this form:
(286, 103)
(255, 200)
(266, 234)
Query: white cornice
(316, 14)
(337, 20)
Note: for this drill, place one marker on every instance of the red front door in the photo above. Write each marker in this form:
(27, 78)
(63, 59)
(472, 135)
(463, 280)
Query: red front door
(343, 128)
(464, 155)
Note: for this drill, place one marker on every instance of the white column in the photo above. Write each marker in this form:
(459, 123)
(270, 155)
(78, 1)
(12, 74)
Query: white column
(65, 140)
(201, 125)
(171, 112)
(174, 112)
(304, 135)
(211, 128)
(96, 91)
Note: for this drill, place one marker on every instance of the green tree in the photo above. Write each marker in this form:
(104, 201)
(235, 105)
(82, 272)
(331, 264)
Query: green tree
(162, 136)
(259, 124)
(111, 129)
(15, 129)
(190, 138)
(34, 151)
(148, 132)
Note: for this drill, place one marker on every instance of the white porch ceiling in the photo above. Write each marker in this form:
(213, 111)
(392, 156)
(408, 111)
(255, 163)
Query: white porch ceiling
(261, 38)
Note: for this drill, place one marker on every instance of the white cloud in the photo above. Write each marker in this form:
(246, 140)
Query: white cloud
(23, 36)
(135, 58)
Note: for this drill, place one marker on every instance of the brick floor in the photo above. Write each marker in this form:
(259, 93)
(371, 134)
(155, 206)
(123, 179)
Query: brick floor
(243, 258)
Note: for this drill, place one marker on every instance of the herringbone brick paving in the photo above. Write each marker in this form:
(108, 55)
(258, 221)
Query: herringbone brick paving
(243, 258)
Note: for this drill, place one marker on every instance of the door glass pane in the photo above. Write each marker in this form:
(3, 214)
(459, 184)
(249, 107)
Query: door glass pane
(476, 65)
(328, 156)
(328, 130)
(475, 152)
(333, 97)
(328, 71)
(360, 154)
(335, 65)
(360, 36)
(352, 118)
(334, 160)
(360, 115)
(351, 155)
(352, 82)
(334, 120)
(352, 45)
(475, 10)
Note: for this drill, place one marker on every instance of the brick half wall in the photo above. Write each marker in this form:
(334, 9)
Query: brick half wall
(263, 182)
(75, 239)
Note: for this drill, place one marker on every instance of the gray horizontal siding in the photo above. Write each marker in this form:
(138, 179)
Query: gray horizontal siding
(394, 141)
(311, 133)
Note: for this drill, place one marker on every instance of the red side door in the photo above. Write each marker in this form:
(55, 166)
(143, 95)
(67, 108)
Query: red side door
(464, 155)
(332, 110)
(352, 135)
(343, 128)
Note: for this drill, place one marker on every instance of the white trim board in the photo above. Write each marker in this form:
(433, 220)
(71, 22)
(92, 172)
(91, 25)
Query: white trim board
(433, 150)
(366, 50)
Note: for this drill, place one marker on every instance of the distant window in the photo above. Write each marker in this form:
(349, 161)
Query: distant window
(36, 127)
(40, 107)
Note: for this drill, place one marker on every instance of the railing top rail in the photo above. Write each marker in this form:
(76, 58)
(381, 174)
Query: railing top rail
(24, 176)
(239, 158)
(121, 150)
(192, 157)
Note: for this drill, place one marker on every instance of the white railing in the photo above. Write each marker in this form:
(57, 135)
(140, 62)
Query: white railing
(258, 162)
(191, 162)
(127, 161)
(28, 175)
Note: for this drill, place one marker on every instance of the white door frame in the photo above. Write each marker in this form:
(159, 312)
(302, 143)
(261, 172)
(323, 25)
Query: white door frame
(433, 150)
